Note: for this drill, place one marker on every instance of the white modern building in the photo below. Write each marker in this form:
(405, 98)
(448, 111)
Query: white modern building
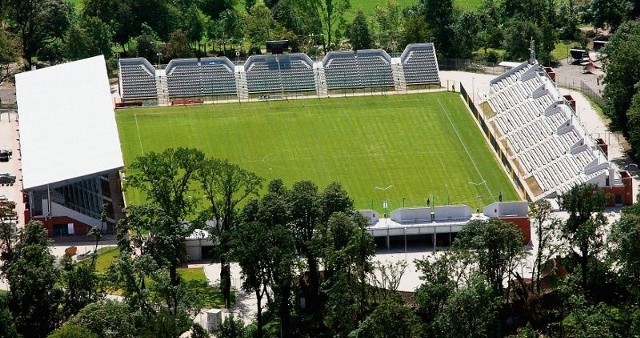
(69, 147)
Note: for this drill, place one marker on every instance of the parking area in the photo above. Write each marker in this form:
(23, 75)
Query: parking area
(10, 166)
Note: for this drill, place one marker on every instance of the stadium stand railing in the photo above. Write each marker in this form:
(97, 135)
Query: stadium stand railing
(137, 79)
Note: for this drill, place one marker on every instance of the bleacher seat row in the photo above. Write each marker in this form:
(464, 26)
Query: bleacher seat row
(277, 73)
(538, 126)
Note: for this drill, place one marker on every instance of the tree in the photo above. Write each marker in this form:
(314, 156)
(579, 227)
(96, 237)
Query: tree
(545, 226)
(470, 312)
(260, 25)
(609, 13)
(118, 14)
(225, 186)
(439, 17)
(358, 32)
(495, 245)
(331, 14)
(621, 77)
(156, 231)
(177, 46)
(436, 289)
(389, 24)
(415, 30)
(215, 8)
(9, 52)
(305, 212)
(518, 33)
(72, 331)
(391, 318)
(88, 38)
(147, 43)
(624, 241)
(151, 250)
(232, 328)
(466, 28)
(109, 319)
(81, 285)
(7, 326)
(583, 231)
(36, 22)
(195, 25)
(347, 251)
(32, 275)
(255, 259)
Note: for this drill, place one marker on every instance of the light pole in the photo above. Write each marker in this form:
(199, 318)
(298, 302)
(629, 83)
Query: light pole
(385, 204)
(159, 56)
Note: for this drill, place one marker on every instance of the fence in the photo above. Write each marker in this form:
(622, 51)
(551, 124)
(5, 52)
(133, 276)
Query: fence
(494, 143)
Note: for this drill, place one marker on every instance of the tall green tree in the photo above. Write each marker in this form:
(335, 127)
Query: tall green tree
(177, 46)
(609, 13)
(470, 312)
(90, 37)
(622, 74)
(583, 231)
(109, 319)
(7, 324)
(37, 22)
(151, 249)
(392, 318)
(9, 52)
(225, 186)
(158, 229)
(545, 227)
(34, 297)
(389, 26)
(495, 246)
(347, 251)
(331, 13)
(624, 241)
(358, 32)
(438, 285)
(81, 285)
(440, 19)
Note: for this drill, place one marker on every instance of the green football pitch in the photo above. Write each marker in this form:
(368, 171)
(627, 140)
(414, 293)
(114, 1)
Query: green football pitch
(422, 146)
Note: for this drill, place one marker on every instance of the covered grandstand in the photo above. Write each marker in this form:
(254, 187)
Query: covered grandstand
(280, 75)
(70, 147)
(539, 133)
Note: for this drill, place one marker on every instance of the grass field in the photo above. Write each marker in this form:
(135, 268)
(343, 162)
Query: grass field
(426, 145)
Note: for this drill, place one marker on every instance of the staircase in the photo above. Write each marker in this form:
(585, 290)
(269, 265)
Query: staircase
(398, 78)
(241, 83)
(162, 90)
(321, 82)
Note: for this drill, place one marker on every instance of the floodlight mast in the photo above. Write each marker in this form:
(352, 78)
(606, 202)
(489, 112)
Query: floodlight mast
(385, 204)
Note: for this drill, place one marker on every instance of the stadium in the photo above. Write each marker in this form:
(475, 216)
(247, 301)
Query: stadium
(419, 157)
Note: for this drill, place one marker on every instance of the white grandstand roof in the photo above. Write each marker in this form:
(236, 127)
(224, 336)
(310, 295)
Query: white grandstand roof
(67, 123)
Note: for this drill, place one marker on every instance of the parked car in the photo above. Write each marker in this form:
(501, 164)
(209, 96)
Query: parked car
(7, 179)
(5, 155)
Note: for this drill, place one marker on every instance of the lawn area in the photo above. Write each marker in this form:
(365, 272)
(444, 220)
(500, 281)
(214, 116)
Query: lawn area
(211, 296)
(106, 256)
(193, 277)
(426, 145)
(368, 7)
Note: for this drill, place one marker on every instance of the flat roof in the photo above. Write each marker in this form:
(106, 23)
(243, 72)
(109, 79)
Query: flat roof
(67, 122)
